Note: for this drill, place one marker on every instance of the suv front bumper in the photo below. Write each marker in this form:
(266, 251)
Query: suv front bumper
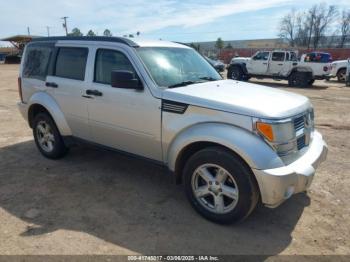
(278, 184)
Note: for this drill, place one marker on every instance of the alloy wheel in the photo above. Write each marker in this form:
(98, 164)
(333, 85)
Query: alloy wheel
(215, 188)
(45, 136)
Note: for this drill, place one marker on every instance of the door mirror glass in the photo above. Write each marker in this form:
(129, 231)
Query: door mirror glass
(125, 79)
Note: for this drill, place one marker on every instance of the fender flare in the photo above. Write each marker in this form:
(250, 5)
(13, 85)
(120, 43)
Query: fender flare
(45, 100)
(341, 69)
(305, 69)
(241, 65)
(251, 148)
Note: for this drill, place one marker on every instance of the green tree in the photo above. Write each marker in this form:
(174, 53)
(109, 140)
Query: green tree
(219, 44)
(228, 46)
(75, 32)
(91, 33)
(107, 32)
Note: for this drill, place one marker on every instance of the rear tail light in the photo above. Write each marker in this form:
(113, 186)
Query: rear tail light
(20, 88)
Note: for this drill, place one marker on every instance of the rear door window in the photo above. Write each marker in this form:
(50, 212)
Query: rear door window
(36, 63)
(293, 56)
(278, 56)
(71, 63)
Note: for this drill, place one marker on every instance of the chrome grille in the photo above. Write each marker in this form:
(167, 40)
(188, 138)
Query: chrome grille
(301, 142)
(299, 123)
(303, 126)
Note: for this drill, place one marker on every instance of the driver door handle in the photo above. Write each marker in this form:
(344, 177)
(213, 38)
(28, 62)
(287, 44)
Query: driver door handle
(94, 92)
(51, 84)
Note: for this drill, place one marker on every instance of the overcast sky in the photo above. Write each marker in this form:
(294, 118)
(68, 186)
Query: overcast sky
(187, 21)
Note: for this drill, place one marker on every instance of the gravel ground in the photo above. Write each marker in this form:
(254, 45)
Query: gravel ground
(99, 202)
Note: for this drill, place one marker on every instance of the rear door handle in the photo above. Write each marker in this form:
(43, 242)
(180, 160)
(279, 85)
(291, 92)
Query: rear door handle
(280, 64)
(51, 84)
(93, 92)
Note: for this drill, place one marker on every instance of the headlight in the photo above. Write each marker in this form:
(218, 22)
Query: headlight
(288, 135)
(279, 135)
(276, 132)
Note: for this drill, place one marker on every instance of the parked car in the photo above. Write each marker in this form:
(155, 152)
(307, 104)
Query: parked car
(320, 63)
(217, 64)
(231, 144)
(279, 65)
(317, 57)
(338, 70)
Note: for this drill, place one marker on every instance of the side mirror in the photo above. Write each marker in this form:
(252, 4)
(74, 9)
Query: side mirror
(125, 79)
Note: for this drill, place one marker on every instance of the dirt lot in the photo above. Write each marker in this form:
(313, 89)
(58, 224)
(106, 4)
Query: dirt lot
(99, 202)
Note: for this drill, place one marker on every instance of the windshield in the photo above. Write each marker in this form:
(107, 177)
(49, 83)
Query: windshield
(172, 67)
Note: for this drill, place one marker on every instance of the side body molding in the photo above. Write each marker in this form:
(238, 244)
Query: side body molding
(251, 148)
(45, 100)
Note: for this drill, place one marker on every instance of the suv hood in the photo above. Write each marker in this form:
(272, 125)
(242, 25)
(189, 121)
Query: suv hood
(240, 98)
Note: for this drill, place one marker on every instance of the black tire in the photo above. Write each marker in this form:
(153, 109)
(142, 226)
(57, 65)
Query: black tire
(58, 148)
(311, 82)
(235, 73)
(248, 193)
(341, 75)
(298, 79)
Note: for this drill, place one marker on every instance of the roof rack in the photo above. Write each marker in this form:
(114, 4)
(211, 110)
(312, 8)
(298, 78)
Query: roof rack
(121, 40)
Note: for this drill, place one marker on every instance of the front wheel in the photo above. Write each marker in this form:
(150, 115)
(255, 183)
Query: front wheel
(220, 186)
(341, 75)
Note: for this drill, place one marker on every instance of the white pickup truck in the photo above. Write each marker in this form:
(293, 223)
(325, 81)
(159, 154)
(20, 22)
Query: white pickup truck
(338, 70)
(281, 65)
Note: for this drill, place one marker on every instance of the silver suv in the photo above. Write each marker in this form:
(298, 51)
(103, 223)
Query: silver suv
(230, 143)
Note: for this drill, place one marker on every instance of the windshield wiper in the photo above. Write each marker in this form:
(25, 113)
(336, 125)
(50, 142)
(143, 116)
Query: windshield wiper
(189, 82)
(184, 83)
(208, 78)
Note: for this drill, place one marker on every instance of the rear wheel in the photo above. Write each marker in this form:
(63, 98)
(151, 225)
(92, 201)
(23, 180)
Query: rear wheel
(311, 82)
(235, 73)
(220, 186)
(299, 79)
(47, 137)
(341, 75)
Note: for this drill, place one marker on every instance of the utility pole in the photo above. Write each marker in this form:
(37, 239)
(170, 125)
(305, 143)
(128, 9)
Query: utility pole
(28, 30)
(65, 24)
(48, 31)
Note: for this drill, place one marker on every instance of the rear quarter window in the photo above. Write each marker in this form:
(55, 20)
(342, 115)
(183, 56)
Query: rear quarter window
(36, 62)
(71, 63)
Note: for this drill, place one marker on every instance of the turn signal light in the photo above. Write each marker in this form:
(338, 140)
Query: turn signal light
(266, 130)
